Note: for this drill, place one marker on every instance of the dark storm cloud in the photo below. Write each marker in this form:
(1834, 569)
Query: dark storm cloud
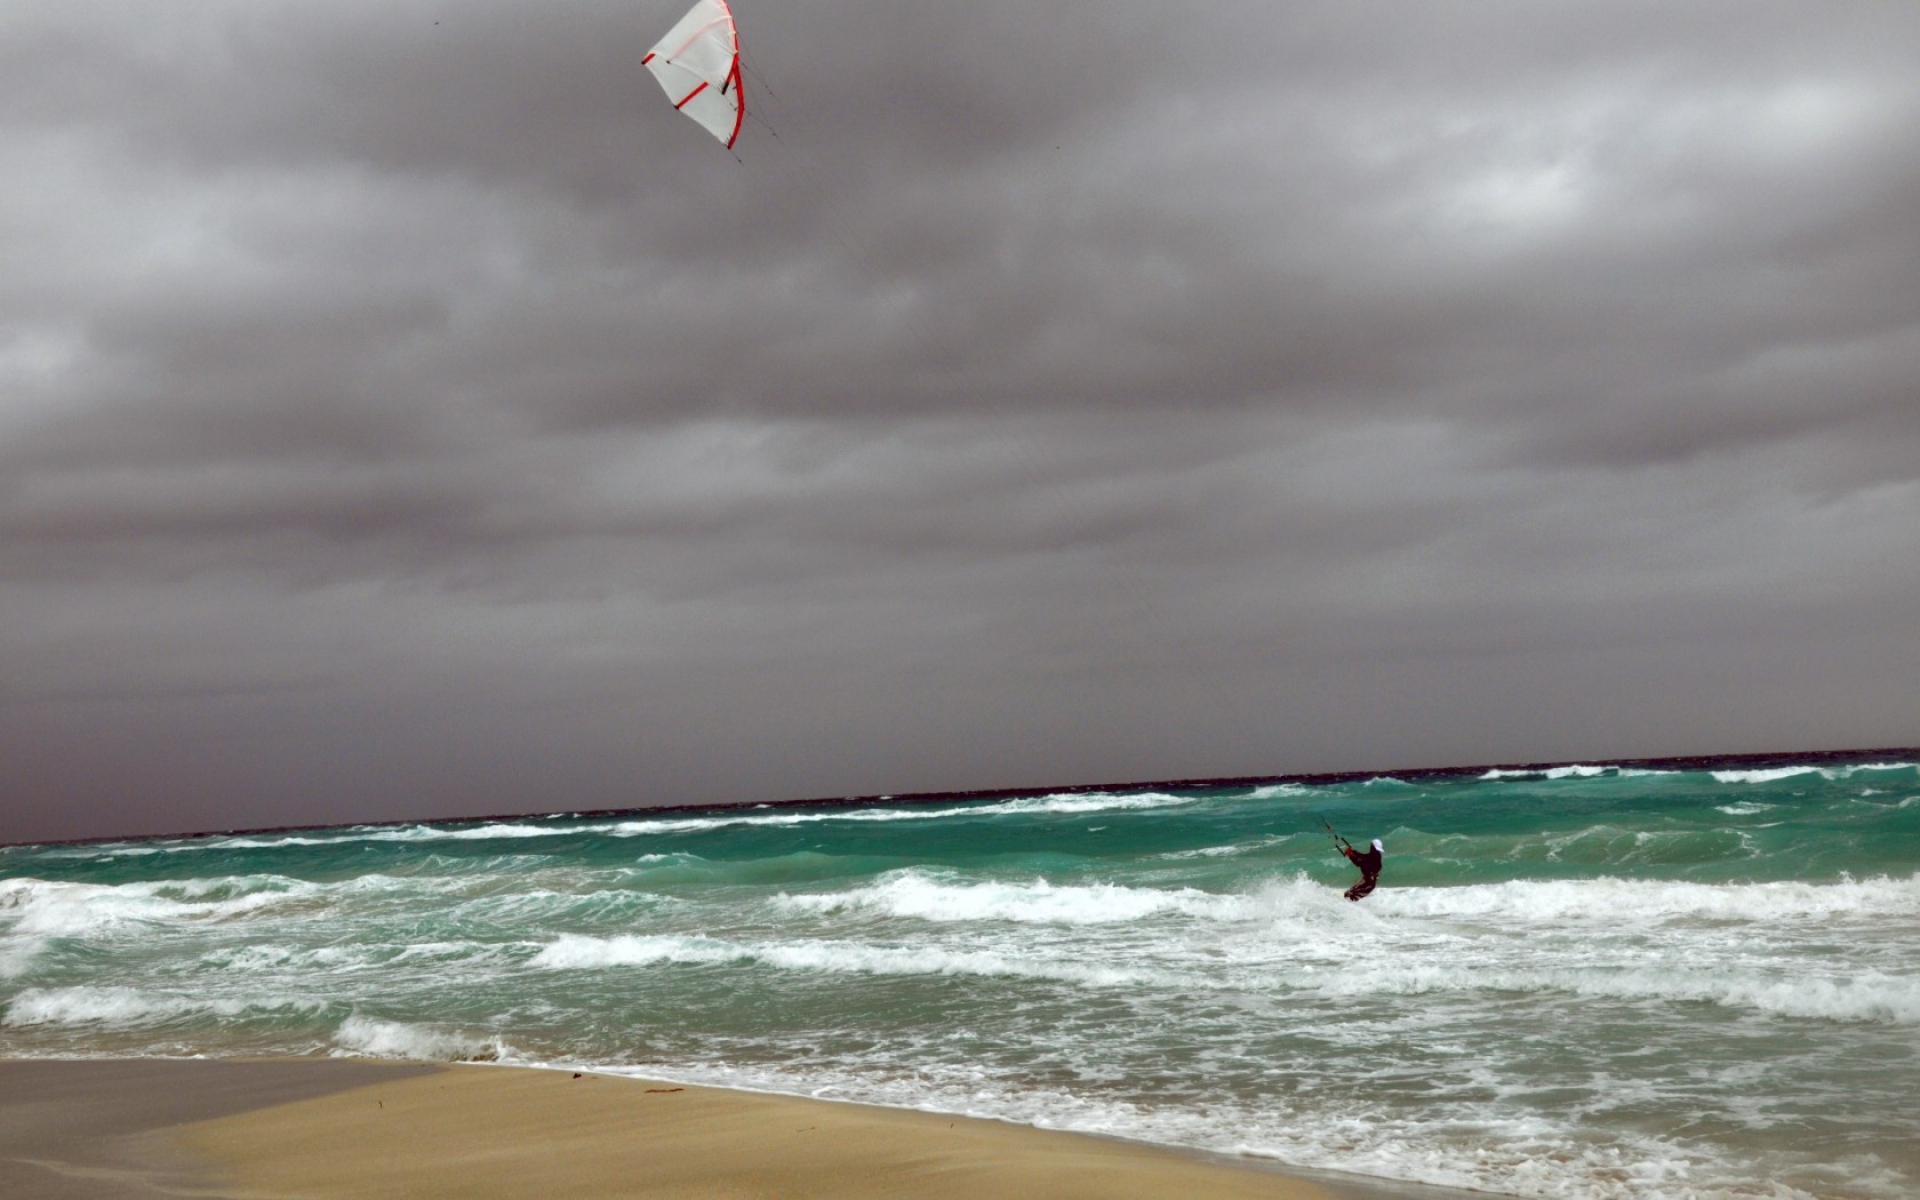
(402, 411)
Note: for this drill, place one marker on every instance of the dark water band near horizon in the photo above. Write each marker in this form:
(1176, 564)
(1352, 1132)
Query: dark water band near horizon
(1685, 978)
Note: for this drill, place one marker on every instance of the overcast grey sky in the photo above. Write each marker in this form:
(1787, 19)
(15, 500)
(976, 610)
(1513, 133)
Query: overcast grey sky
(404, 412)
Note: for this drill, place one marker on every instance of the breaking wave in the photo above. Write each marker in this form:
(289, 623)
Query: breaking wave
(916, 895)
(60, 909)
(577, 952)
(1873, 996)
(361, 1035)
(129, 1007)
(1608, 900)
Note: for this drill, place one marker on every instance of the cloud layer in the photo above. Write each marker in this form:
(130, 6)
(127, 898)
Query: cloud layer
(403, 412)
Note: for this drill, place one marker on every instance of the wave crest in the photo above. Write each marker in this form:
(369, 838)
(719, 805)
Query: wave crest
(399, 1039)
(129, 1007)
(918, 895)
(578, 952)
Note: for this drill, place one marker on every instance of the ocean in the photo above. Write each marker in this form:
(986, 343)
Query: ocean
(1671, 979)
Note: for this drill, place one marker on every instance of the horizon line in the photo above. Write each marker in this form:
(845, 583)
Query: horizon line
(1813, 758)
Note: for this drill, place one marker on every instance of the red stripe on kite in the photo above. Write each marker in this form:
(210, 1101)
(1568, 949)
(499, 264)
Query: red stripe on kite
(739, 101)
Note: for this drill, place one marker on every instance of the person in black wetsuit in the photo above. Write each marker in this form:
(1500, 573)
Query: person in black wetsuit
(1369, 864)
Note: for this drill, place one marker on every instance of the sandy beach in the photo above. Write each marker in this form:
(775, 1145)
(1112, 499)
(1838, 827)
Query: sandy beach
(103, 1130)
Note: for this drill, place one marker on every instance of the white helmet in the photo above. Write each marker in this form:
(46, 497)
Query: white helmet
(1377, 845)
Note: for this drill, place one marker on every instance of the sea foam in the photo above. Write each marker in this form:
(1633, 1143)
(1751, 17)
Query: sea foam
(1068, 804)
(1871, 997)
(919, 896)
(1570, 771)
(125, 1007)
(575, 952)
(399, 1039)
(1612, 901)
(60, 909)
(1766, 775)
(642, 825)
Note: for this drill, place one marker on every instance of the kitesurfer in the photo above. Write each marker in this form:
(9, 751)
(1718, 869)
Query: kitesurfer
(1369, 863)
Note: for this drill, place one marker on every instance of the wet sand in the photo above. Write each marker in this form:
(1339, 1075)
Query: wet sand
(92, 1130)
(351, 1128)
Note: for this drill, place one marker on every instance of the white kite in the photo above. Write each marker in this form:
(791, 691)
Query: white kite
(698, 64)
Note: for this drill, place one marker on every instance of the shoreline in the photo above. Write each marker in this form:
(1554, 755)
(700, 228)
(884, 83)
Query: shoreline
(110, 1129)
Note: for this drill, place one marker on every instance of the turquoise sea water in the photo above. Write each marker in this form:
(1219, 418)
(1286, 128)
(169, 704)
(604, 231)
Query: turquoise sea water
(1682, 980)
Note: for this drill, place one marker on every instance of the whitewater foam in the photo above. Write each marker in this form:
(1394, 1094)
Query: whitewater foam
(1492, 1153)
(1570, 771)
(919, 896)
(1767, 775)
(915, 894)
(128, 1007)
(369, 1036)
(1871, 997)
(1065, 803)
(577, 952)
(59, 909)
(1616, 901)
